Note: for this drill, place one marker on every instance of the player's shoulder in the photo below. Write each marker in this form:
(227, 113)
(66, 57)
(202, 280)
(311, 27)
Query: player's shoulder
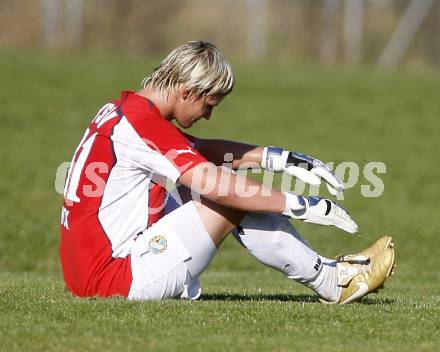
(138, 109)
(144, 116)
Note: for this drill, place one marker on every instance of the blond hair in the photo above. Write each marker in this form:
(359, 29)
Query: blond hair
(198, 66)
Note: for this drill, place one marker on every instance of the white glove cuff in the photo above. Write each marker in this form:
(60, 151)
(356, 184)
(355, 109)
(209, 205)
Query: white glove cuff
(274, 159)
(296, 206)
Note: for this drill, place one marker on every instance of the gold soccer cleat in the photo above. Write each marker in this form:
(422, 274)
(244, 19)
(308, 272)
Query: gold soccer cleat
(377, 247)
(357, 277)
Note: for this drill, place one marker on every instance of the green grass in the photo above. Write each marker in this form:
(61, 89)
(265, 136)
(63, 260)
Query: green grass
(337, 115)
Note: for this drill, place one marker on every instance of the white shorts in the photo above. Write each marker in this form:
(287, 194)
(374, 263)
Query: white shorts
(168, 257)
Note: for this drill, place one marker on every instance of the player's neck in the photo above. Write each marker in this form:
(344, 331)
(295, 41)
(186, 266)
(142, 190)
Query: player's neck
(165, 103)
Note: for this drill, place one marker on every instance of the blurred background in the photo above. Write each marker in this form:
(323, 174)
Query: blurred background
(353, 80)
(374, 32)
(342, 80)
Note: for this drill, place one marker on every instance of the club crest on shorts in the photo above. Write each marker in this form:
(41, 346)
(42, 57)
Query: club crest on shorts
(157, 244)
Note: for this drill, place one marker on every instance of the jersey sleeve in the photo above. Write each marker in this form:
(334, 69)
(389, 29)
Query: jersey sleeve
(155, 146)
(177, 147)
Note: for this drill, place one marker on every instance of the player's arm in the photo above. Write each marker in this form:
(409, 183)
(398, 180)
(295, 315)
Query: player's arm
(304, 167)
(224, 187)
(243, 154)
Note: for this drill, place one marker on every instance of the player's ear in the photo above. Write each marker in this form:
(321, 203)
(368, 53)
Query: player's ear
(184, 93)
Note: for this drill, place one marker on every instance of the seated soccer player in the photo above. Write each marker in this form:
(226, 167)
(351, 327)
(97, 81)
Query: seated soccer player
(120, 234)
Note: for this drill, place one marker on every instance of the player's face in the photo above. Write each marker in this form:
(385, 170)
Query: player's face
(191, 109)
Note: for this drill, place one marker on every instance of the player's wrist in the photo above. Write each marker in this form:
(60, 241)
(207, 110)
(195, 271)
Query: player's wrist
(274, 158)
(295, 206)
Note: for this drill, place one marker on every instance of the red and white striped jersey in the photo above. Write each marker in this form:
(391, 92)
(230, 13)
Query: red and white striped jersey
(115, 189)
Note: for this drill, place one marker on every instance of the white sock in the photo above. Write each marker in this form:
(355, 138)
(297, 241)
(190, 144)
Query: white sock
(325, 283)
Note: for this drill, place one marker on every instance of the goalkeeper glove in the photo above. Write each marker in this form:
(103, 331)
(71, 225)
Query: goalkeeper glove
(317, 210)
(306, 168)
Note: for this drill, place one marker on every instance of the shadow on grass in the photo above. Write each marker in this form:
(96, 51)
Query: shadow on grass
(285, 298)
(378, 301)
(256, 297)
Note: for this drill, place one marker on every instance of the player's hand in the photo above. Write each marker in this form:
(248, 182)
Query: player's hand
(304, 167)
(317, 210)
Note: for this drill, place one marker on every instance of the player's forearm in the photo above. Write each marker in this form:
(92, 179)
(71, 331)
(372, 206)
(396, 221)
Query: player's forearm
(224, 187)
(217, 150)
(248, 195)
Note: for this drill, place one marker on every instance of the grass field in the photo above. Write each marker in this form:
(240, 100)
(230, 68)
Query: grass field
(337, 115)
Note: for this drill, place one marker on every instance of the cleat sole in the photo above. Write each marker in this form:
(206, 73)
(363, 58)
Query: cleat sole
(392, 267)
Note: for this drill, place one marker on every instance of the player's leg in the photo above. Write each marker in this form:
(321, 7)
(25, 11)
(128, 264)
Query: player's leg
(218, 220)
(273, 241)
(168, 257)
